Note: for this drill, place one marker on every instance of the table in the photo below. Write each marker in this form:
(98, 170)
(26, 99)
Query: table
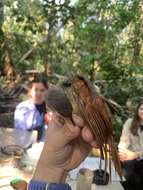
(115, 185)
(92, 163)
(12, 136)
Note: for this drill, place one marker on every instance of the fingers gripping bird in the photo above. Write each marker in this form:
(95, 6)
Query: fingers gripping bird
(94, 109)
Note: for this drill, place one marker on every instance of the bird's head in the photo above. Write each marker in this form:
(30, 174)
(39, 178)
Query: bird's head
(80, 85)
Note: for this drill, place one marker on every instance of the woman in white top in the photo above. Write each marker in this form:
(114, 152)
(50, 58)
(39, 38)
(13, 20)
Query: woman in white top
(29, 114)
(131, 147)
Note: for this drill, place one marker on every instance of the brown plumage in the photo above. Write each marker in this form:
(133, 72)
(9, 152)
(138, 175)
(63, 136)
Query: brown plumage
(93, 108)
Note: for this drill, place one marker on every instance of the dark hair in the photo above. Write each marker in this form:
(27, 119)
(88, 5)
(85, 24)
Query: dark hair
(40, 78)
(136, 120)
(56, 100)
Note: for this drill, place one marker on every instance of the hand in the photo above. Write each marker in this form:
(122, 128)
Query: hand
(125, 155)
(66, 146)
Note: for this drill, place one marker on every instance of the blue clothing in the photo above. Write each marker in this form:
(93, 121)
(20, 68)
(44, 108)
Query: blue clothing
(41, 185)
(27, 117)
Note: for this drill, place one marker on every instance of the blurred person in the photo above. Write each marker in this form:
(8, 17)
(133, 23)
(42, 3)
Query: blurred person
(29, 114)
(131, 147)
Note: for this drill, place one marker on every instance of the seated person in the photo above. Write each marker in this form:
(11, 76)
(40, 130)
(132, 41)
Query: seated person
(65, 148)
(29, 114)
(131, 147)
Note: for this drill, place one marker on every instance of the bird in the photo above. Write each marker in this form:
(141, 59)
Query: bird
(94, 109)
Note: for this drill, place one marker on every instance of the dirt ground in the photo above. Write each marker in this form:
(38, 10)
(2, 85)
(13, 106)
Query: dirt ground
(8, 172)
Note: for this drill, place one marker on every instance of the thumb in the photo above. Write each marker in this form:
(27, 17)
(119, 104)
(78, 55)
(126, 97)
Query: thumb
(69, 132)
(61, 131)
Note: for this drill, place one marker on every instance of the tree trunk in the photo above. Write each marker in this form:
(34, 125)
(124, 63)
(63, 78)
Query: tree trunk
(47, 53)
(8, 68)
(1, 32)
(46, 68)
(138, 30)
(6, 64)
(136, 44)
(1, 13)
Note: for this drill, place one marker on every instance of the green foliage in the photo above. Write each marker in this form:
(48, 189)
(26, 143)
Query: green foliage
(102, 40)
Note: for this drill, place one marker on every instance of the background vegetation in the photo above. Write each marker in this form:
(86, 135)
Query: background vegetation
(100, 39)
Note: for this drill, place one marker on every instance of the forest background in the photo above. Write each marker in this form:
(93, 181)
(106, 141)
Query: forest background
(99, 39)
